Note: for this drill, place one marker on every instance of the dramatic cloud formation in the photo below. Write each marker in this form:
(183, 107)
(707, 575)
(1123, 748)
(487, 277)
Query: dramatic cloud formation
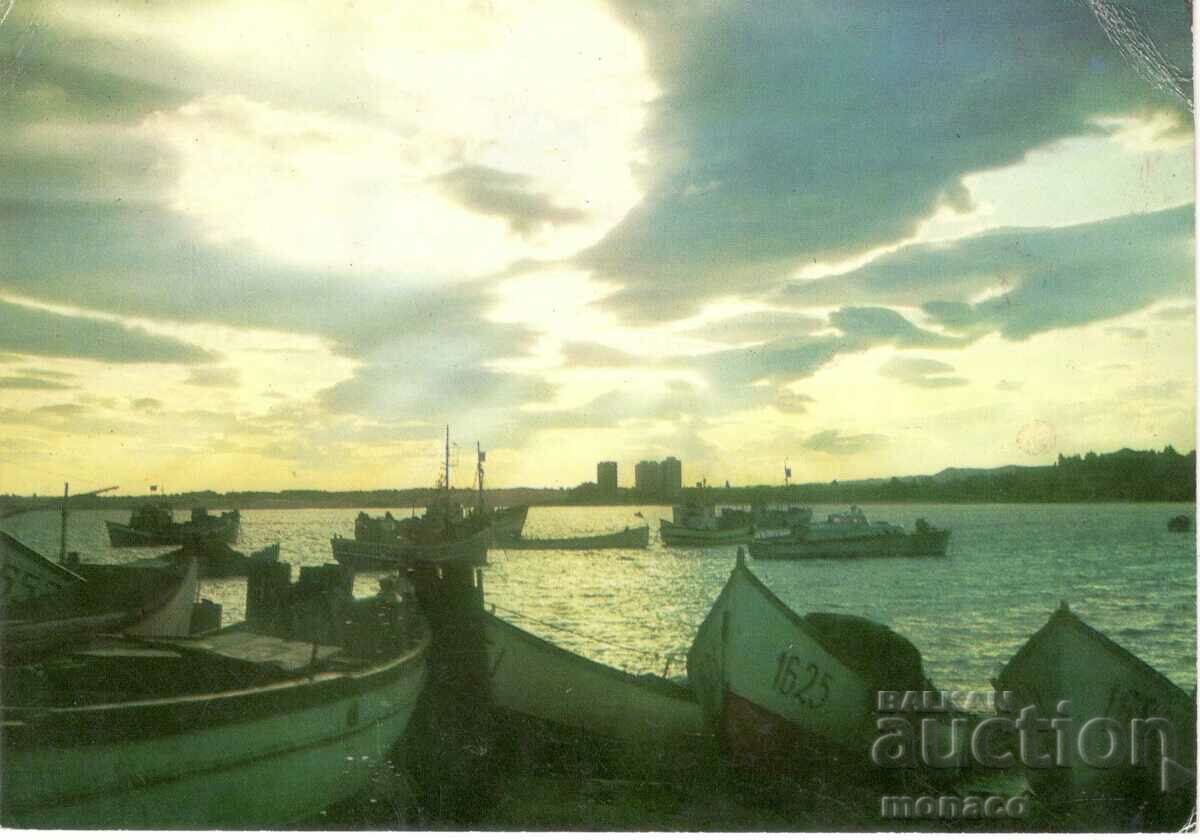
(581, 230)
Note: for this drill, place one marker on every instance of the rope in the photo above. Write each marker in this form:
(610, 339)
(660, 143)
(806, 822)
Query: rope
(562, 629)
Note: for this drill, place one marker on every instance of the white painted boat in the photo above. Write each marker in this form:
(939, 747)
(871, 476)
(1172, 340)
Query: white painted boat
(534, 678)
(786, 692)
(1069, 661)
(26, 574)
(237, 729)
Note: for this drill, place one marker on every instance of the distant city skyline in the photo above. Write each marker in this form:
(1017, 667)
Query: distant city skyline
(252, 244)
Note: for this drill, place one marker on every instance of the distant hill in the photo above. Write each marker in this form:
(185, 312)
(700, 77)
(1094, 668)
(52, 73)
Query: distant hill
(1126, 475)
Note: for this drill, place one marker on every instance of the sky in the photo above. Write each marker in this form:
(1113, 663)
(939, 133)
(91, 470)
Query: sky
(272, 244)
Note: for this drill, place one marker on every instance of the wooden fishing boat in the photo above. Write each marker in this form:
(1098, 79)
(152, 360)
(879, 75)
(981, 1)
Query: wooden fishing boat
(246, 727)
(533, 678)
(148, 597)
(26, 574)
(848, 536)
(152, 525)
(470, 550)
(1068, 660)
(696, 523)
(629, 538)
(787, 693)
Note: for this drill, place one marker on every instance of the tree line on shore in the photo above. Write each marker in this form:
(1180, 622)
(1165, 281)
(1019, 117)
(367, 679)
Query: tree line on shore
(1123, 476)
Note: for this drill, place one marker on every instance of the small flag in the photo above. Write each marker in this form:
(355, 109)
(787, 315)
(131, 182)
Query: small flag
(787, 472)
(639, 515)
(482, 456)
(153, 488)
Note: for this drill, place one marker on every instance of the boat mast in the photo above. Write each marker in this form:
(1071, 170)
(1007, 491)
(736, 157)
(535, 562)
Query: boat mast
(62, 533)
(479, 474)
(446, 473)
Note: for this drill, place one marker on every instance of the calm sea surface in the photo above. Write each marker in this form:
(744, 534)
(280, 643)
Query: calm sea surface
(1007, 569)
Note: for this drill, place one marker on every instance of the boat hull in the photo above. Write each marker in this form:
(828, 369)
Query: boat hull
(629, 538)
(362, 556)
(241, 760)
(1067, 660)
(533, 678)
(780, 694)
(225, 529)
(507, 523)
(927, 544)
(677, 535)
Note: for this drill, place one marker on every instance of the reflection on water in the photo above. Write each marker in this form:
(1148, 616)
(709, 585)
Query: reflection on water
(1007, 569)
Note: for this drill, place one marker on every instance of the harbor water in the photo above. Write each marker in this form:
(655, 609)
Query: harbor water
(1007, 568)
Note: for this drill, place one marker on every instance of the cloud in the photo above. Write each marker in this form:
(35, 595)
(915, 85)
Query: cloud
(825, 132)
(1020, 282)
(924, 373)
(766, 325)
(1131, 333)
(508, 195)
(38, 332)
(32, 383)
(589, 354)
(790, 402)
(213, 377)
(148, 404)
(833, 442)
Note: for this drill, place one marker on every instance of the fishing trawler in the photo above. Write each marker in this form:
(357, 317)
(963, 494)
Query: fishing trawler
(155, 524)
(444, 533)
(851, 535)
(696, 523)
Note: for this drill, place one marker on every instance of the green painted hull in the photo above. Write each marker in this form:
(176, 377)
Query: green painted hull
(256, 758)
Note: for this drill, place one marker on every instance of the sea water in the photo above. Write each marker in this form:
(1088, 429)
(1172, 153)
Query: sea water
(1007, 569)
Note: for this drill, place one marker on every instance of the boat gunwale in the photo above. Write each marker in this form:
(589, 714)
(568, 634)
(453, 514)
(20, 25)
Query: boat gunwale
(1065, 616)
(15, 718)
(652, 682)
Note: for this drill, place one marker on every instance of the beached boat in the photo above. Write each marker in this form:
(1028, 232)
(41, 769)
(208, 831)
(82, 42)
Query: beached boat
(147, 597)
(695, 523)
(536, 679)
(246, 727)
(218, 560)
(629, 538)
(850, 535)
(1068, 661)
(793, 693)
(155, 524)
(27, 574)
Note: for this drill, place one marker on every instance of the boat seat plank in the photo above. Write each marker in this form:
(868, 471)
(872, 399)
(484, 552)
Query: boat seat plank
(258, 649)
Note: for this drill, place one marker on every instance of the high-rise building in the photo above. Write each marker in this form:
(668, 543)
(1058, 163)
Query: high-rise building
(606, 477)
(670, 476)
(646, 478)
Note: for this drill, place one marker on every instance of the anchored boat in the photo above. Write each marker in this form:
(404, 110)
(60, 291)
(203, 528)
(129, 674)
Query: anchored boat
(778, 518)
(261, 724)
(629, 538)
(1070, 671)
(155, 524)
(695, 523)
(850, 535)
(793, 693)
